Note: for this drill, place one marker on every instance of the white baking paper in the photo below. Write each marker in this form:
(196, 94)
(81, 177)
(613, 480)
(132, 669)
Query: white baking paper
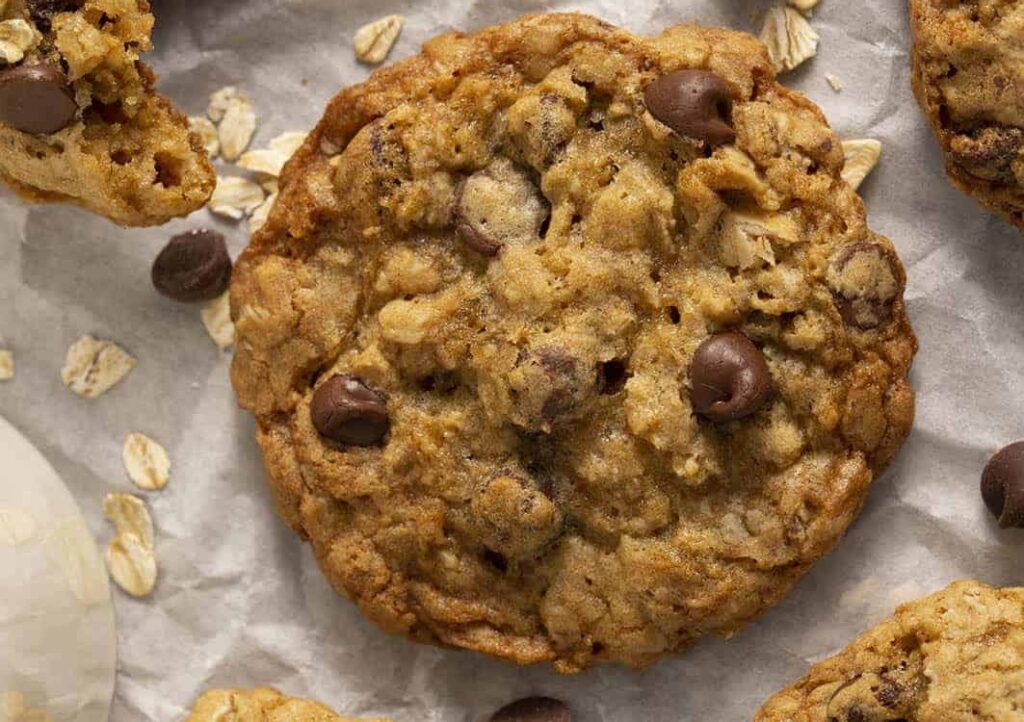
(240, 601)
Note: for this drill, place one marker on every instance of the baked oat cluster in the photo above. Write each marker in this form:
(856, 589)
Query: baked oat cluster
(569, 345)
(968, 72)
(80, 120)
(261, 705)
(956, 656)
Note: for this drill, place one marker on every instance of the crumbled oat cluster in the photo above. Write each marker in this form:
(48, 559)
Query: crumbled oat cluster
(568, 345)
(968, 72)
(261, 705)
(956, 656)
(80, 120)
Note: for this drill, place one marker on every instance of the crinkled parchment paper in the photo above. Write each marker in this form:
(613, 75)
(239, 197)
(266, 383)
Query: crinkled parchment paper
(240, 601)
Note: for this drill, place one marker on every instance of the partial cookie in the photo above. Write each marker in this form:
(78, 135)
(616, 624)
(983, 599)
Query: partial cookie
(261, 705)
(956, 656)
(569, 345)
(80, 121)
(968, 75)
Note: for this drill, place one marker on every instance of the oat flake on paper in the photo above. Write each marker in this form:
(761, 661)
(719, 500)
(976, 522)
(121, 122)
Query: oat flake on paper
(146, 462)
(93, 366)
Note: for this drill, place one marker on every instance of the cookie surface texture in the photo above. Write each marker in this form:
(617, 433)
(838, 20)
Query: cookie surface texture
(261, 705)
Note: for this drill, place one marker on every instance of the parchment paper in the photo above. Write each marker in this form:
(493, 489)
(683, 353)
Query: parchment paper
(240, 601)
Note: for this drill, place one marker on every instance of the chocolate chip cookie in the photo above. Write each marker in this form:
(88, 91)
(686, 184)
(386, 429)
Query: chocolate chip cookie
(569, 345)
(956, 656)
(80, 120)
(968, 77)
(261, 705)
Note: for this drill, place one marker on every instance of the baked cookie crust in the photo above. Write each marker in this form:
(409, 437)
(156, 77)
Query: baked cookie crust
(262, 705)
(504, 265)
(956, 656)
(968, 75)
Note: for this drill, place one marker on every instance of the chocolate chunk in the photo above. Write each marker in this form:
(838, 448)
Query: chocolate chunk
(193, 266)
(36, 98)
(534, 709)
(989, 153)
(729, 378)
(346, 410)
(865, 281)
(549, 384)
(1002, 486)
(498, 206)
(693, 103)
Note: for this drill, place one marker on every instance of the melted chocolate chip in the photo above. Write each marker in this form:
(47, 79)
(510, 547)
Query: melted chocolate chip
(193, 266)
(346, 410)
(693, 103)
(36, 98)
(865, 282)
(1002, 486)
(729, 378)
(534, 709)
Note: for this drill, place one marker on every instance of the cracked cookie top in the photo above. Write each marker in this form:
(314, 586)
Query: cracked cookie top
(969, 79)
(956, 656)
(80, 120)
(261, 705)
(569, 345)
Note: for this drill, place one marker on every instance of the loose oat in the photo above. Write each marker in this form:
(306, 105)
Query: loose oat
(217, 320)
(207, 132)
(93, 366)
(235, 119)
(132, 565)
(17, 37)
(832, 80)
(260, 215)
(129, 514)
(374, 40)
(6, 364)
(804, 5)
(17, 526)
(861, 157)
(235, 197)
(789, 37)
(146, 462)
(270, 160)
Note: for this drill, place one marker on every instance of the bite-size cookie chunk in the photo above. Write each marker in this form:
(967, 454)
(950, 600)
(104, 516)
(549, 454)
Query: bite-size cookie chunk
(569, 345)
(956, 656)
(261, 705)
(80, 121)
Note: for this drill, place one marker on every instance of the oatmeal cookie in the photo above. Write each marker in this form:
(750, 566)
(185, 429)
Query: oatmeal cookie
(80, 121)
(569, 345)
(956, 656)
(261, 705)
(969, 78)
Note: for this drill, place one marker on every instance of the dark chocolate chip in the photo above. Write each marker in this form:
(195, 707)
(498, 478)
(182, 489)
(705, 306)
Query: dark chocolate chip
(729, 378)
(865, 282)
(534, 709)
(1002, 486)
(193, 266)
(36, 98)
(693, 103)
(346, 410)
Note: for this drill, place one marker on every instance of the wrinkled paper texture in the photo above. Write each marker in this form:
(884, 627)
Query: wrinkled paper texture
(240, 601)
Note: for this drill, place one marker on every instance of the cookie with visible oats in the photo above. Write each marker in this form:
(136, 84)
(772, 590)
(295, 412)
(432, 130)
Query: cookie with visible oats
(968, 73)
(569, 345)
(262, 705)
(956, 656)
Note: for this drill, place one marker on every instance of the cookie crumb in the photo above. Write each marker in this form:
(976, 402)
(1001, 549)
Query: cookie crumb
(861, 158)
(789, 37)
(93, 366)
(374, 40)
(235, 197)
(146, 462)
(6, 364)
(834, 81)
(17, 37)
(217, 320)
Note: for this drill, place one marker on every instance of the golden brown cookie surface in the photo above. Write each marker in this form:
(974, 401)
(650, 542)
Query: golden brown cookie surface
(540, 375)
(261, 705)
(969, 79)
(80, 121)
(956, 656)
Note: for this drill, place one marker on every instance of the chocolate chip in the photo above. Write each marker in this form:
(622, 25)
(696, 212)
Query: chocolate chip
(193, 266)
(693, 103)
(346, 410)
(729, 378)
(36, 98)
(534, 709)
(43, 10)
(499, 206)
(865, 282)
(1002, 486)
(549, 384)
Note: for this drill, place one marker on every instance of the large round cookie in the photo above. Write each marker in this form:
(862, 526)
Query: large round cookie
(956, 656)
(466, 334)
(969, 79)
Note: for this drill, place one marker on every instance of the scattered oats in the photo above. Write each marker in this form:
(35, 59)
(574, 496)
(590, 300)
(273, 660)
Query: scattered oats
(70, 546)
(790, 38)
(146, 462)
(832, 80)
(207, 132)
(235, 119)
(861, 157)
(259, 216)
(130, 516)
(269, 161)
(132, 564)
(92, 367)
(16, 527)
(804, 5)
(374, 40)
(217, 319)
(6, 365)
(221, 99)
(235, 197)
(16, 38)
